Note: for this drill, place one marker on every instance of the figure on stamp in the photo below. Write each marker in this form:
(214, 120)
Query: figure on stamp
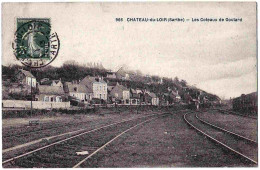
(35, 50)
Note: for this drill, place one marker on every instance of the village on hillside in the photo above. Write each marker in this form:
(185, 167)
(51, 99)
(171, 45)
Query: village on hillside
(103, 87)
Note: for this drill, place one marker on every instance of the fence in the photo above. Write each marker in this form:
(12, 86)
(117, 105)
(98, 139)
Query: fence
(35, 104)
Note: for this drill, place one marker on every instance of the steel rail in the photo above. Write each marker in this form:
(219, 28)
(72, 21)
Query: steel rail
(235, 113)
(103, 146)
(72, 137)
(43, 129)
(218, 142)
(51, 137)
(227, 131)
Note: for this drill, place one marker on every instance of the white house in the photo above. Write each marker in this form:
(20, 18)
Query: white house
(155, 99)
(26, 78)
(50, 94)
(78, 91)
(97, 85)
(121, 93)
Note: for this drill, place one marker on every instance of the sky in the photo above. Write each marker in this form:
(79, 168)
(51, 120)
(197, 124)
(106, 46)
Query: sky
(218, 57)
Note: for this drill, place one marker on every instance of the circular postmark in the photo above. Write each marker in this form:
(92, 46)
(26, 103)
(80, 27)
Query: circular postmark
(35, 44)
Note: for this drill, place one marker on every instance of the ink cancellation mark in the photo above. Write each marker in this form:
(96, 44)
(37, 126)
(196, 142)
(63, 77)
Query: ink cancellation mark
(35, 44)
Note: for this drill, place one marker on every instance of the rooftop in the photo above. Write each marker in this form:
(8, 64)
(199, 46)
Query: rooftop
(26, 73)
(51, 90)
(79, 88)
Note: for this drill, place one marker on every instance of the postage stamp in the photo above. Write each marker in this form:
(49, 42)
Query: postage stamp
(35, 44)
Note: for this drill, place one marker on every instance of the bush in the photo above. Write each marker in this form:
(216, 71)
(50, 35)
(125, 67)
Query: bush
(53, 112)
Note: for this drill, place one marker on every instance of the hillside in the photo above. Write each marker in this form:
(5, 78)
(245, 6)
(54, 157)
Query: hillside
(72, 71)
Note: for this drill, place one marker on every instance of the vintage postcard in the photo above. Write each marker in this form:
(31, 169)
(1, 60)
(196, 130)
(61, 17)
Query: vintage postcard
(129, 84)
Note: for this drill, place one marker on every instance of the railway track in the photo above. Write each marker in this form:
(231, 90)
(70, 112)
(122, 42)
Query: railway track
(227, 131)
(42, 133)
(63, 153)
(43, 128)
(241, 146)
(235, 113)
(47, 138)
(46, 127)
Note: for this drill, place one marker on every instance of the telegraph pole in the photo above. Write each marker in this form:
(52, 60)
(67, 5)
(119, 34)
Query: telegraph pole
(36, 56)
(31, 92)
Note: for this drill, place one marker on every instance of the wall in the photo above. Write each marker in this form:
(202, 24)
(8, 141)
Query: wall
(100, 88)
(47, 98)
(28, 81)
(117, 92)
(81, 96)
(126, 94)
(36, 104)
(155, 101)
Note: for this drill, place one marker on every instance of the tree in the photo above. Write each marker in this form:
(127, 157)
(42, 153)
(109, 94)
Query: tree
(70, 62)
(138, 72)
(176, 80)
(183, 83)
